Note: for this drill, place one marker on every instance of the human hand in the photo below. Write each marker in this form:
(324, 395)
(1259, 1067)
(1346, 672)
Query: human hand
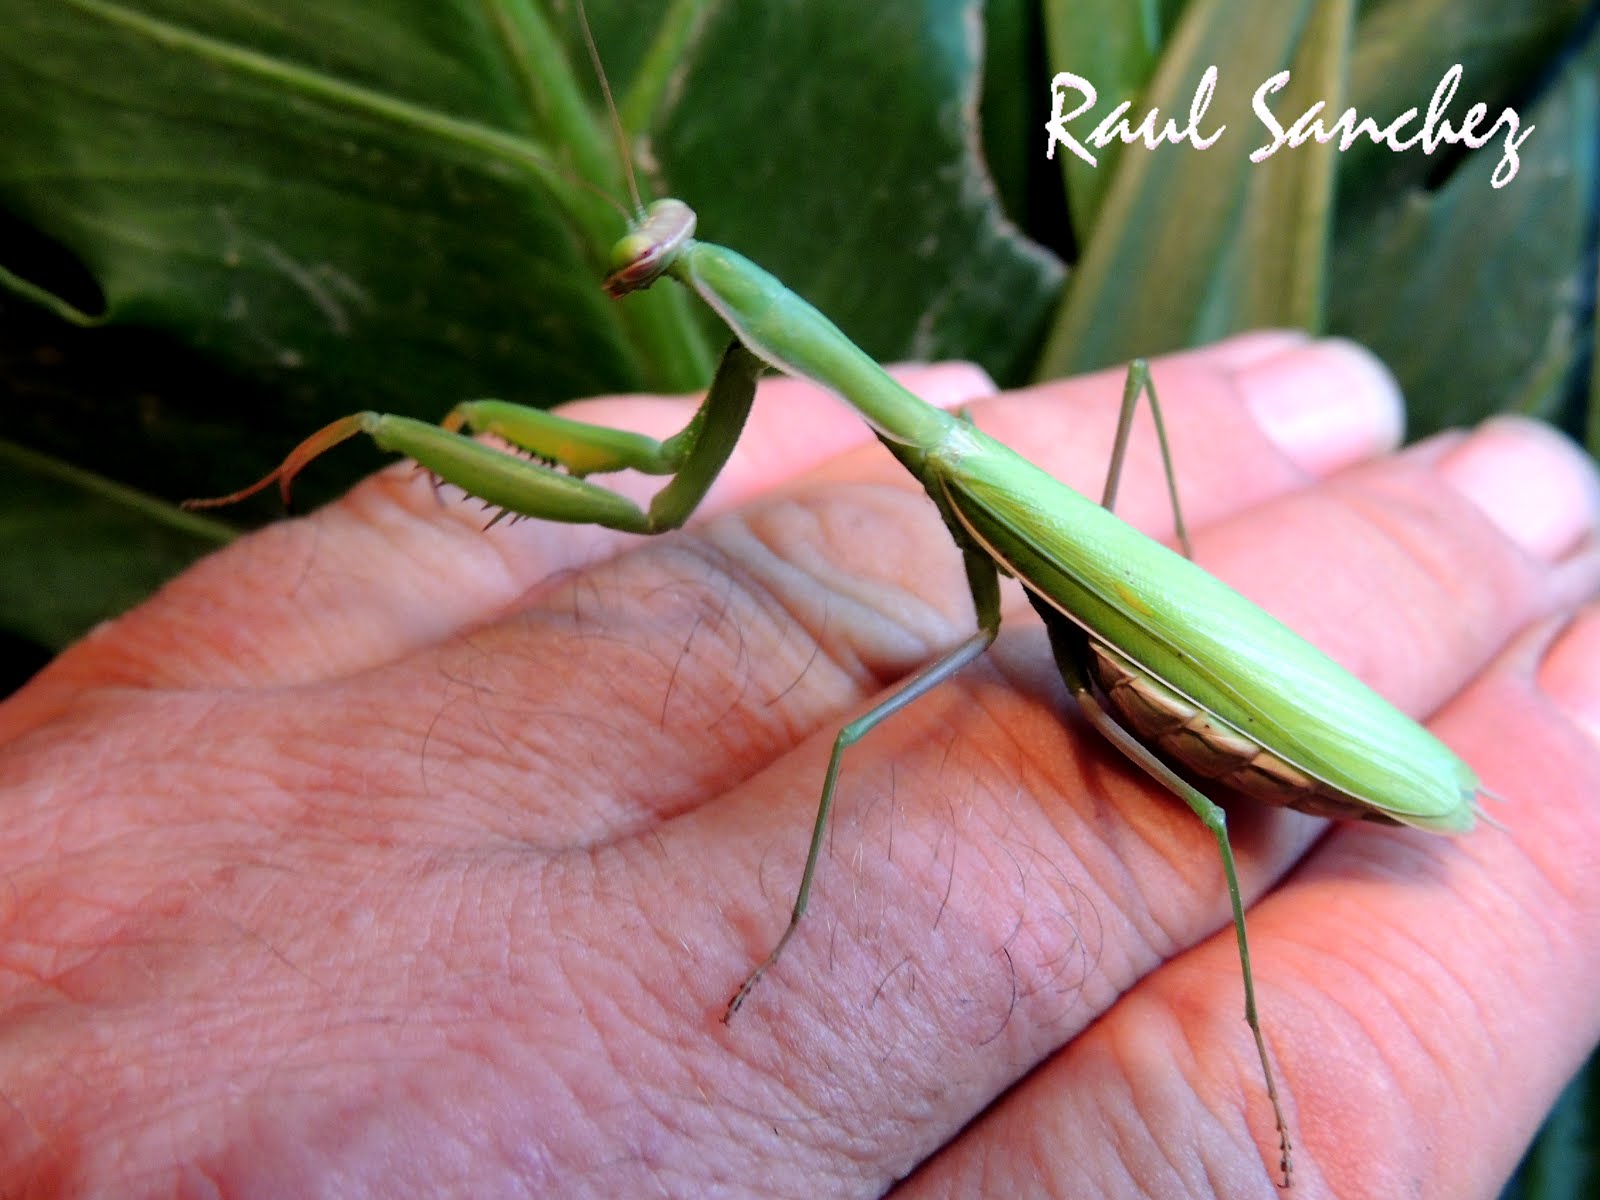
(380, 855)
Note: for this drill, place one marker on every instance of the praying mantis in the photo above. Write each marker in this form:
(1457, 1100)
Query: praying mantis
(1185, 677)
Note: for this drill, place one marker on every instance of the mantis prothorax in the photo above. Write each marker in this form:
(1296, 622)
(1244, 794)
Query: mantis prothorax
(1173, 667)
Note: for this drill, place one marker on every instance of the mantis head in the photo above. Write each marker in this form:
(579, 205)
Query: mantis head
(650, 247)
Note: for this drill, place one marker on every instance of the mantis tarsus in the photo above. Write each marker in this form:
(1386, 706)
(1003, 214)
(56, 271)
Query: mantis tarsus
(1174, 668)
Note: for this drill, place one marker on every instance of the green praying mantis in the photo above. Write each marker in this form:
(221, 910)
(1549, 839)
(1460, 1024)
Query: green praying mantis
(1184, 676)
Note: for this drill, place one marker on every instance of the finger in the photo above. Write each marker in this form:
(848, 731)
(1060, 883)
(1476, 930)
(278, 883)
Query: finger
(1505, 540)
(1475, 953)
(995, 889)
(1459, 958)
(1243, 349)
(1376, 955)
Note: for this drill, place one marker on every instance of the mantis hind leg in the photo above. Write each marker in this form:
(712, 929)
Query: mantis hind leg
(1140, 381)
(1070, 645)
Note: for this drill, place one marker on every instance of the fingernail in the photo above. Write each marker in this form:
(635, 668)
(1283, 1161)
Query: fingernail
(1530, 480)
(1570, 672)
(1326, 405)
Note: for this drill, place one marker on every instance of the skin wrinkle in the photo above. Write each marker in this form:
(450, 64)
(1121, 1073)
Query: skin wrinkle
(533, 740)
(1407, 963)
(1417, 549)
(1129, 1133)
(665, 603)
(1375, 1023)
(349, 1129)
(1150, 1089)
(378, 514)
(1548, 932)
(71, 925)
(741, 670)
(1452, 994)
(1550, 893)
(1462, 1087)
(1173, 854)
(1054, 965)
(747, 602)
(805, 1115)
(60, 825)
(1002, 738)
(1151, 928)
(386, 506)
(1553, 885)
(459, 883)
(706, 1109)
(1036, 938)
(658, 1008)
(1493, 911)
(1010, 920)
(1221, 1063)
(475, 654)
(788, 1015)
(711, 612)
(644, 1075)
(852, 586)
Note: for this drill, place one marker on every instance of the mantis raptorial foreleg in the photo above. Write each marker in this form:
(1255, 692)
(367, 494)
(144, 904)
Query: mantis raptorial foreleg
(694, 456)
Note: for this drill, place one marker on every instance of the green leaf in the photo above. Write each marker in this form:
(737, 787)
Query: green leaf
(282, 187)
(1164, 265)
(1403, 47)
(375, 205)
(1114, 44)
(79, 549)
(1474, 294)
(1564, 1162)
(900, 240)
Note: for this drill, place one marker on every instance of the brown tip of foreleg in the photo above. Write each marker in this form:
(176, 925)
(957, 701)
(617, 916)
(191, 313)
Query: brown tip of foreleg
(319, 442)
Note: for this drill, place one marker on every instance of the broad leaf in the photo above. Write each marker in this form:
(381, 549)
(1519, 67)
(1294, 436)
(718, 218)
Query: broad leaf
(92, 549)
(1473, 294)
